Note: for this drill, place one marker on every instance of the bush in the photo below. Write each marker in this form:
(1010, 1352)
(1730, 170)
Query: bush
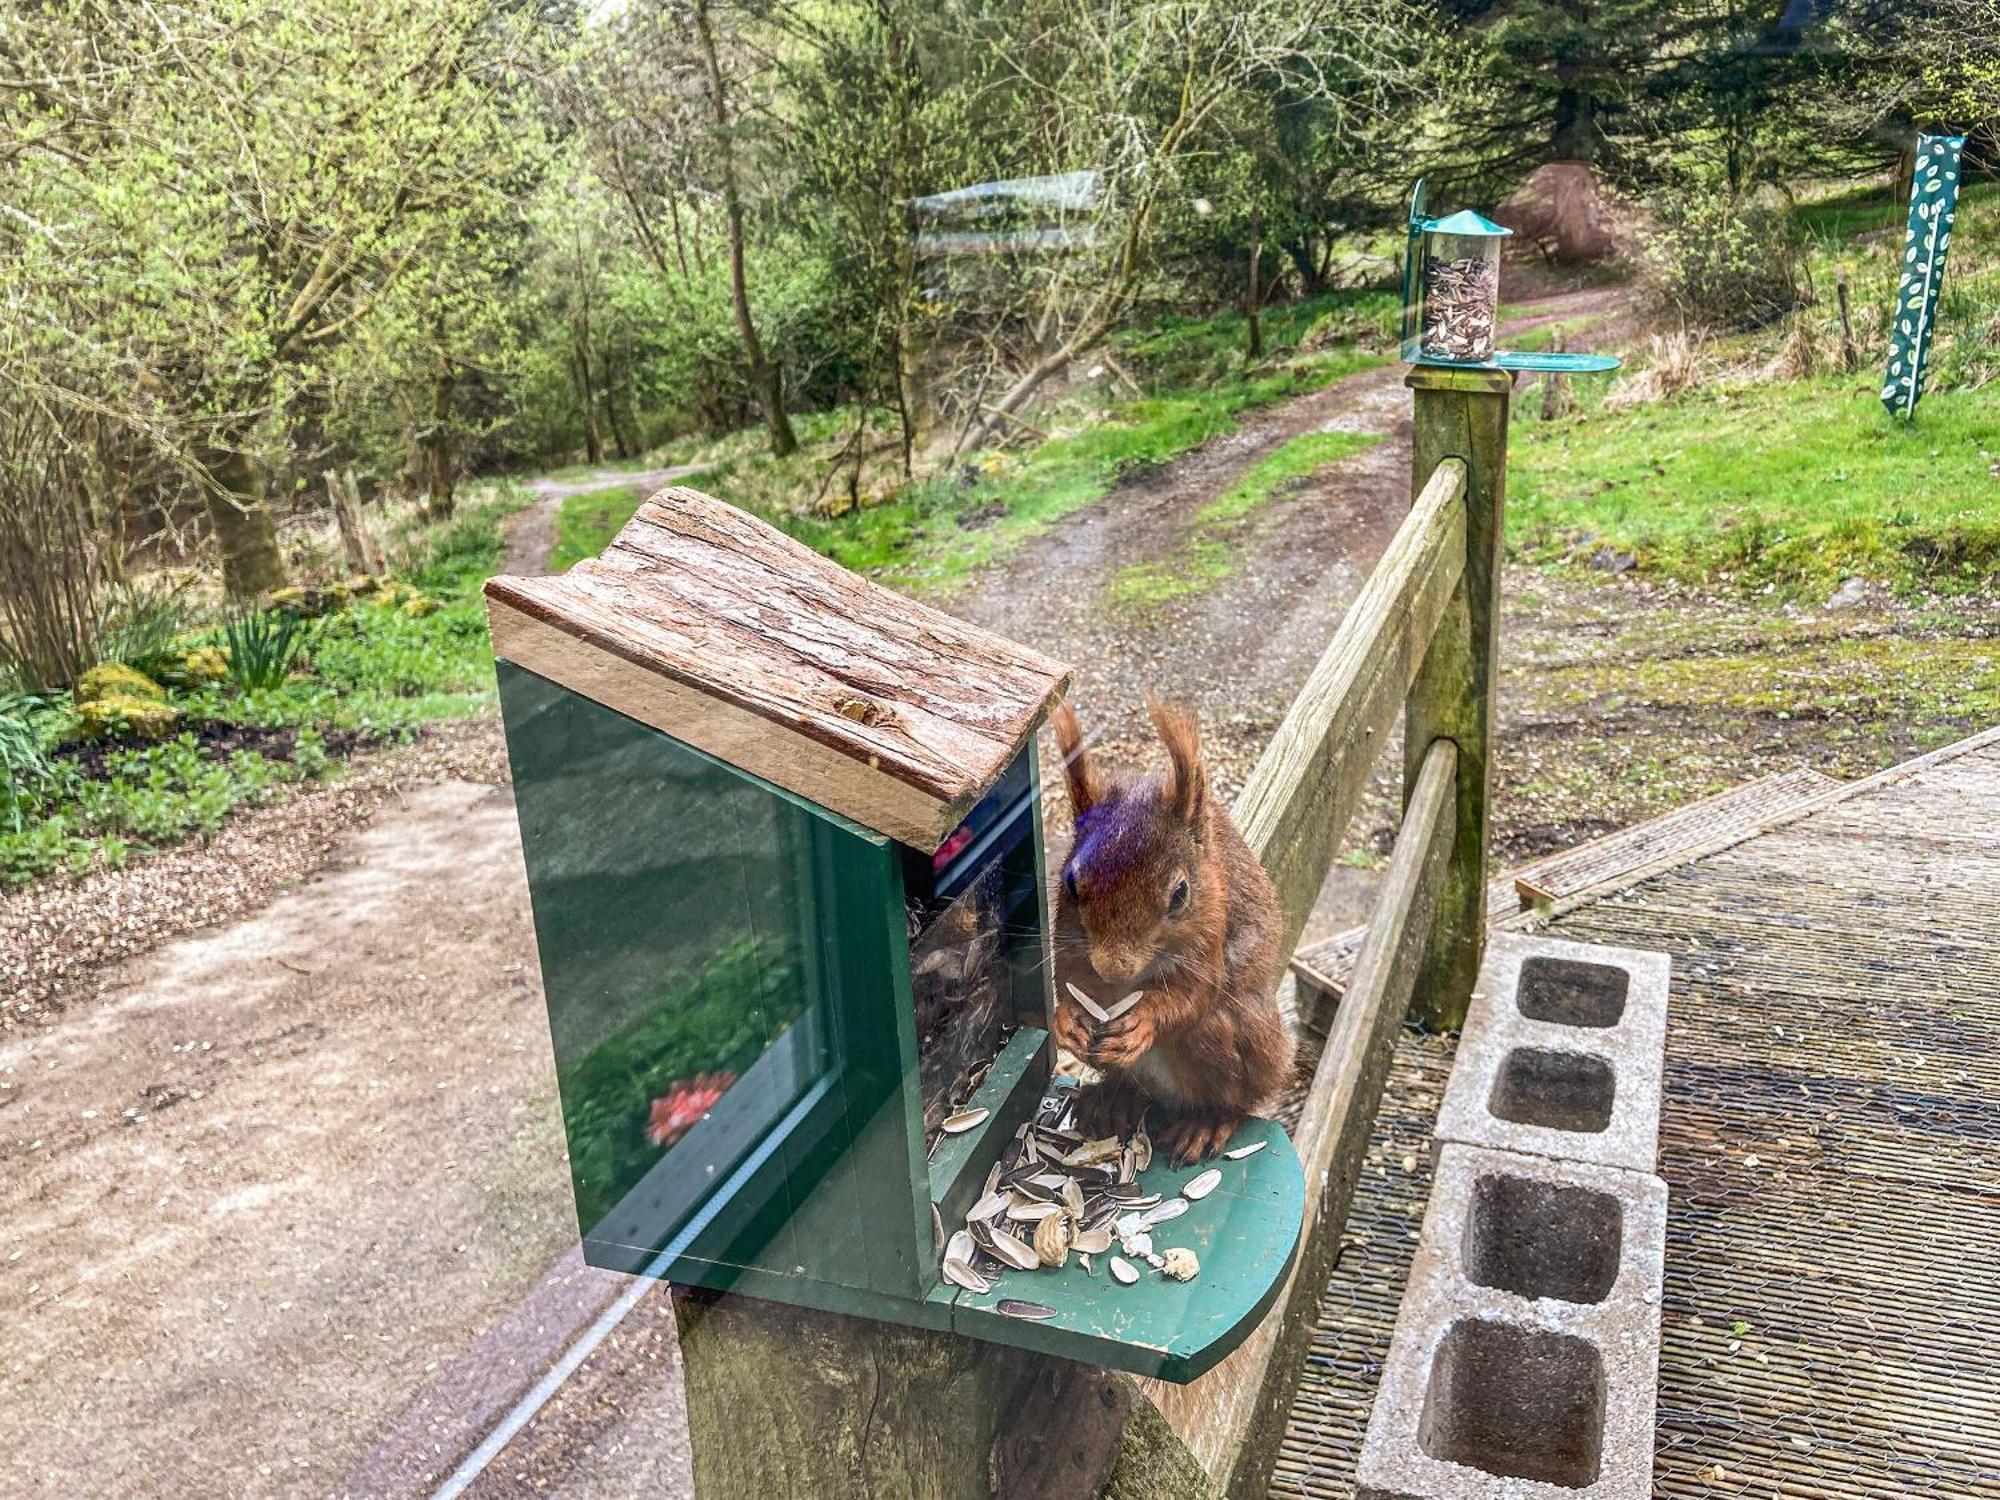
(1723, 262)
(140, 625)
(24, 756)
(263, 645)
(113, 679)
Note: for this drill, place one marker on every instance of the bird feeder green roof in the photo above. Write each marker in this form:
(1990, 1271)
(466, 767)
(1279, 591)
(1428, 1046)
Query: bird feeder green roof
(1466, 223)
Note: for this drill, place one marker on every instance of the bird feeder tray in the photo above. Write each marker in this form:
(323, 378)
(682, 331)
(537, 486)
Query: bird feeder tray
(783, 837)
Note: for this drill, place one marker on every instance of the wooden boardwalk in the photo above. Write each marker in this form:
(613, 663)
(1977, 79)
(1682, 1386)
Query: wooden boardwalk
(1830, 1139)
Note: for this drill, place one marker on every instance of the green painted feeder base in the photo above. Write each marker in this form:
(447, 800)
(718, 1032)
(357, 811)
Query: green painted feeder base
(1524, 361)
(1245, 1234)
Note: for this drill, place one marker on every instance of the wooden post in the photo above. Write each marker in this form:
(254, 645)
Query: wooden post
(356, 545)
(787, 1401)
(1460, 414)
(1555, 387)
(1850, 354)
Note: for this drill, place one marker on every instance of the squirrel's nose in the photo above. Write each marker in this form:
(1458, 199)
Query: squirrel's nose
(1115, 966)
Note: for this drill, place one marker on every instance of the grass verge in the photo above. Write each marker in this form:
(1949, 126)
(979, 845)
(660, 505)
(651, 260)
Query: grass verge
(1793, 484)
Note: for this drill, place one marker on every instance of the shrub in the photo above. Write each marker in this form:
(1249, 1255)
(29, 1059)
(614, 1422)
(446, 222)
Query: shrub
(51, 553)
(263, 646)
(1724, 262)
(24, 756)
(140, 625)
(115, 716)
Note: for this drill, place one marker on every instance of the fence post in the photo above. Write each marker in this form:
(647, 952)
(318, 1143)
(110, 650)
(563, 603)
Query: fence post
(1460, 414)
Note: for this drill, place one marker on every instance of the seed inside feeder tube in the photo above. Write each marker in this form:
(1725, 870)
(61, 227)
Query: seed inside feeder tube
(1459, 304)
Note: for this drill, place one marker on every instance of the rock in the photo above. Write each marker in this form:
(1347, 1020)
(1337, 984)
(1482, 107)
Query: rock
(308, 603)
(194, 666)
(1852, 594)
(1565, 212)
(1605, 560)
(125, 716)
(113, 679)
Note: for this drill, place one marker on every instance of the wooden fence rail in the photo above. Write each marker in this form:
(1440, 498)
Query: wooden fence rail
(783, 1401)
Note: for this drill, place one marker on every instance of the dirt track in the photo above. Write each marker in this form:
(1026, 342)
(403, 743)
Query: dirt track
(325, 1251)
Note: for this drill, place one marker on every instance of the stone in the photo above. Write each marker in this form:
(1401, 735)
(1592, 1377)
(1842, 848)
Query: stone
(1562, 1053)
(115, 716)
(1526, 1355)
(113, 679)
(1852, 594)
(1610, 560)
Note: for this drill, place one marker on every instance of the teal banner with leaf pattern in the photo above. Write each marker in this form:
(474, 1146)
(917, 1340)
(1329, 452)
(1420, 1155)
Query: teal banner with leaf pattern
(1933, 202)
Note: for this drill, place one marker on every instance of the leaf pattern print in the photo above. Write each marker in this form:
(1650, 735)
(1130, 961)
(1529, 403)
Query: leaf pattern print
(1933, 202)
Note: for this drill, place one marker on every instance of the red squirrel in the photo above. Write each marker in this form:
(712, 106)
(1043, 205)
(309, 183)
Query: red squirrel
(1161, 896)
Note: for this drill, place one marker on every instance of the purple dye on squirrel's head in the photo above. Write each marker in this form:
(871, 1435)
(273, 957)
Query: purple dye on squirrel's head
(1135, 883)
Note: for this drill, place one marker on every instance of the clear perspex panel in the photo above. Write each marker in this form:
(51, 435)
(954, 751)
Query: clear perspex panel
(716, 955)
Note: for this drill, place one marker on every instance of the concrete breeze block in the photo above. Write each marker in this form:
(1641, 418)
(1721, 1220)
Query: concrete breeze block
(1526, 1353)
(1562, 1053)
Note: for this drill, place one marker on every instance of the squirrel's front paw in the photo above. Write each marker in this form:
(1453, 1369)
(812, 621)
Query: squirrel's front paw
(1072, 1030)
(1121, 1043)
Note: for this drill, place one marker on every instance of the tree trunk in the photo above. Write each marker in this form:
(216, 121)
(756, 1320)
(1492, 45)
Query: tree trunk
(1311, 281)
(245, 534)
(621, 440)
(593, 440)
(1253, 293)
(1576, 126)
(437, 448)
(356, 545)
(766, 379)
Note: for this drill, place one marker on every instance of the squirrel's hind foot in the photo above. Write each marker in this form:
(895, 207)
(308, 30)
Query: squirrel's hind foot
(1112, 1107)
(1197, 1134)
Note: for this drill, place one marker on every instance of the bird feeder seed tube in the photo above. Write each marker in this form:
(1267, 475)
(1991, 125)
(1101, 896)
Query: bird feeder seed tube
(1460, 288)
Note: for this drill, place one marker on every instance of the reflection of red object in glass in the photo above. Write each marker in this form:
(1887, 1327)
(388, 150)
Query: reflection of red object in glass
(951, 848)
(684, 1104)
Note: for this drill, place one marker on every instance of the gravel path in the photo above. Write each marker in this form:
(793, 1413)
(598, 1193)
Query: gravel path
(531, 533)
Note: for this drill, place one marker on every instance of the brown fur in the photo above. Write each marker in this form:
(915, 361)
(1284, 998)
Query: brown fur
(1206, 1042)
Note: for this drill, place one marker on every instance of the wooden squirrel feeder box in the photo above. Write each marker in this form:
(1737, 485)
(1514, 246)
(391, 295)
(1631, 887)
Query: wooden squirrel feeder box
(783, 835)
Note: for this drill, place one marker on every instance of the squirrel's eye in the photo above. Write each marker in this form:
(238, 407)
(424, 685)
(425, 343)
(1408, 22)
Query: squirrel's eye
(1178, 901)
(1069, 883)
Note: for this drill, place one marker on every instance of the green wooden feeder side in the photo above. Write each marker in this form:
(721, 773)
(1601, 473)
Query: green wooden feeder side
(635, 851)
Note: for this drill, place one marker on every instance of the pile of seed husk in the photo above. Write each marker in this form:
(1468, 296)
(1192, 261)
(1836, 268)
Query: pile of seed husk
(1055, 1192)
(1461, 298)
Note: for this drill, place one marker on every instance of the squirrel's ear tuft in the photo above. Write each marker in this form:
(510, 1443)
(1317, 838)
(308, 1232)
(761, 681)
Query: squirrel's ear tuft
(1187, 778)
(1077, 769)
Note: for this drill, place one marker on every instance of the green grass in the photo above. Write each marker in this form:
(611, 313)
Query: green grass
(586, 523)
(1292, 460)
(1194, 569)
(1795, 484)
